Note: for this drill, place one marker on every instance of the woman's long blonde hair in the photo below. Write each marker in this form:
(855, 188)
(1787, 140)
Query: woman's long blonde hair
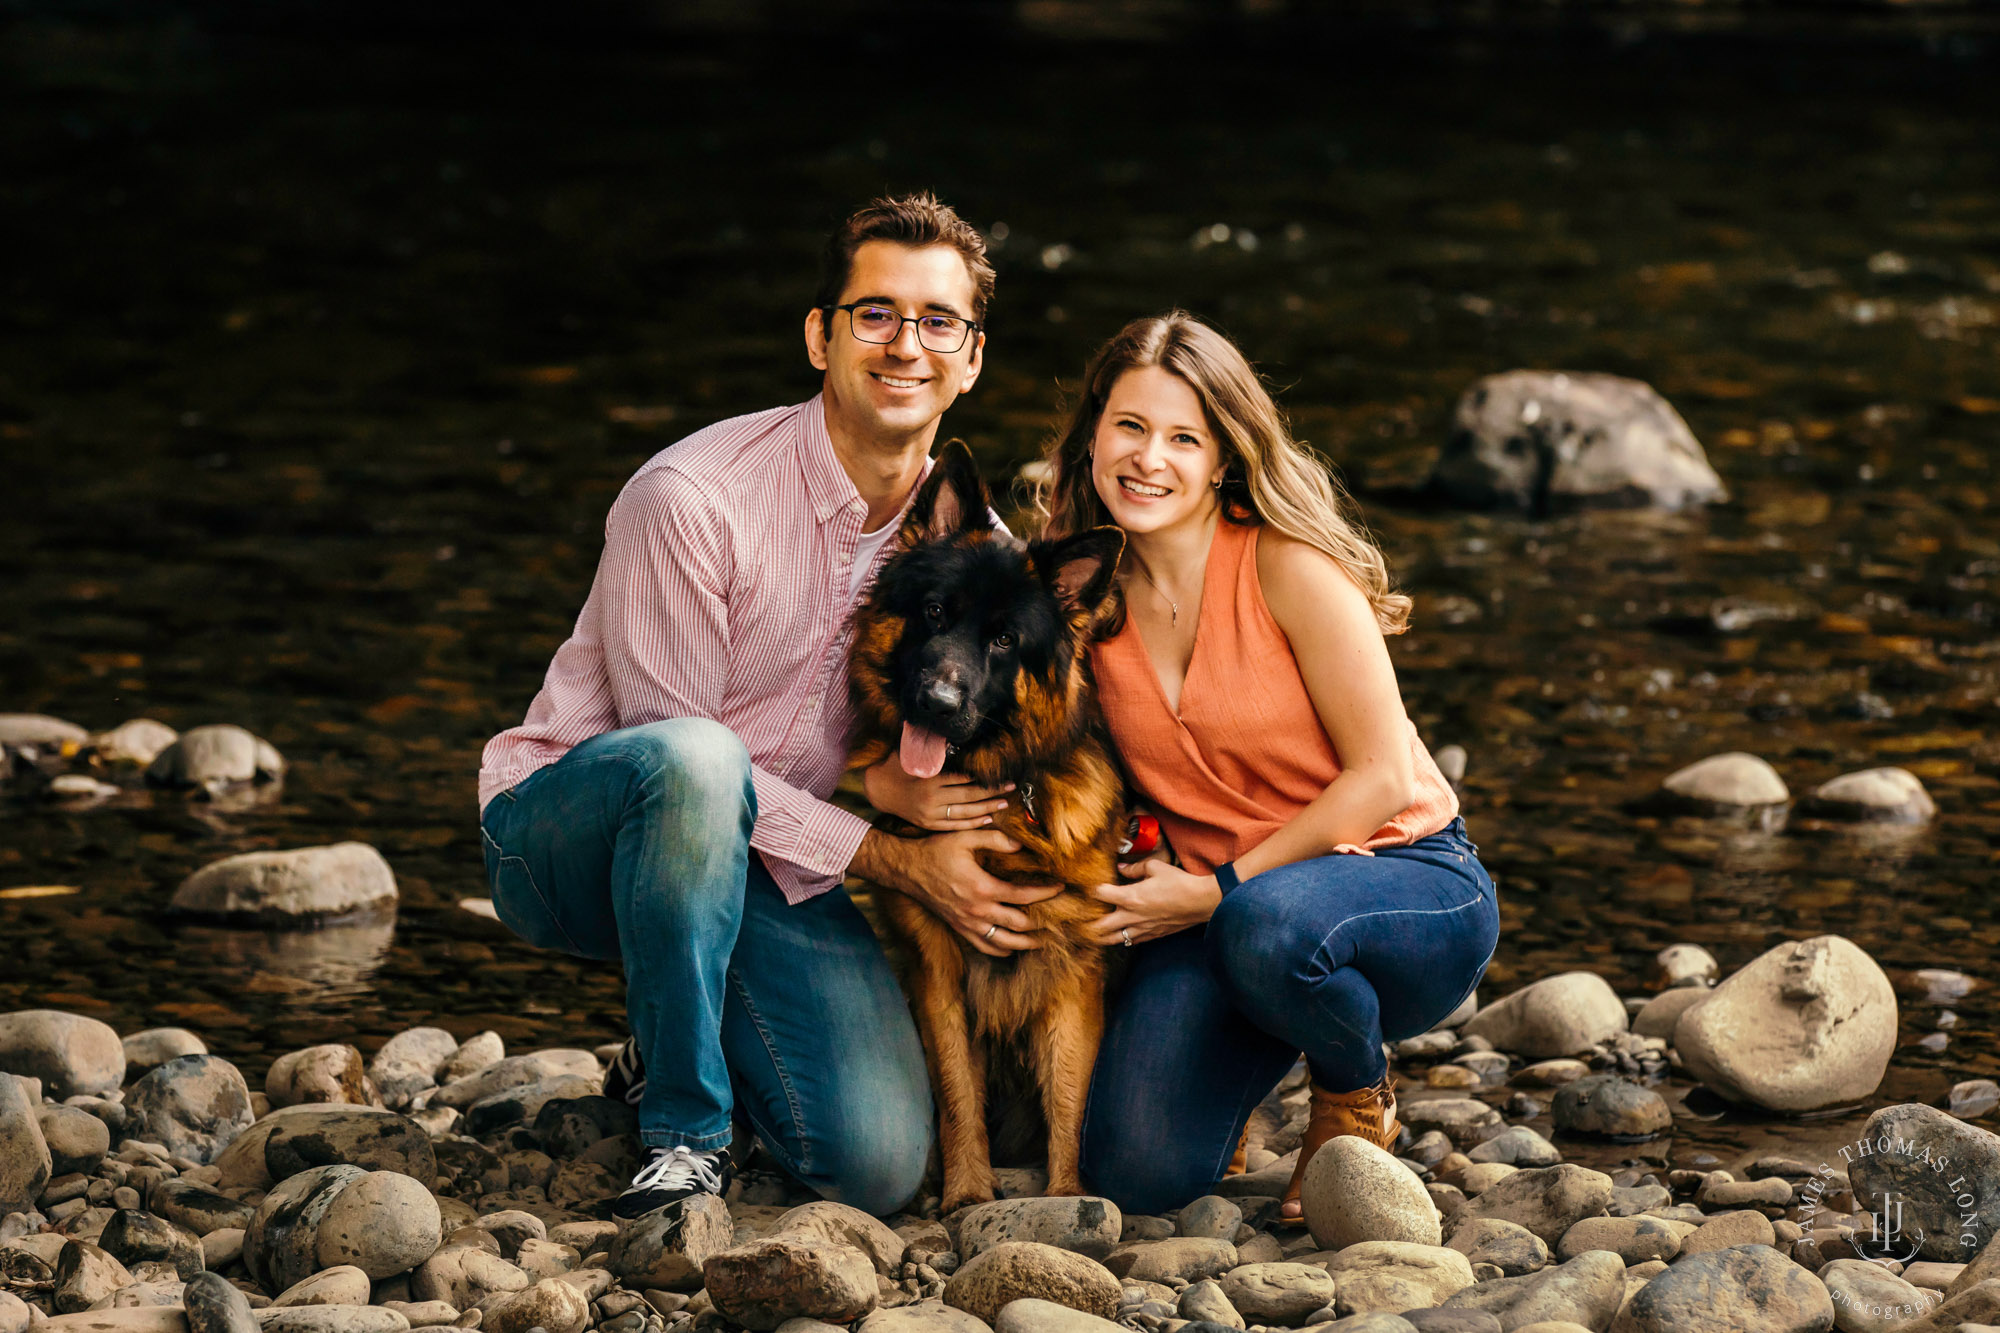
(1268, 477)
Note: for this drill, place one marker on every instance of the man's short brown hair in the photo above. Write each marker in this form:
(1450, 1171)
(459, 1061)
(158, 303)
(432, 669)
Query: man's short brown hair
(914, 220)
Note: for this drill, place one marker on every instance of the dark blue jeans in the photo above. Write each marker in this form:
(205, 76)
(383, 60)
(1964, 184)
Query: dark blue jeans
(635, 846)
(1331, 957)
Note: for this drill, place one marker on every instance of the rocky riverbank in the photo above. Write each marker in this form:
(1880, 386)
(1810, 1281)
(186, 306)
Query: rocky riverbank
(147, 1188)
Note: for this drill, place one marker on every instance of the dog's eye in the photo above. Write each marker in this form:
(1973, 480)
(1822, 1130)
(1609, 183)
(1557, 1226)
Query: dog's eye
(934, 613)
(1003, 643)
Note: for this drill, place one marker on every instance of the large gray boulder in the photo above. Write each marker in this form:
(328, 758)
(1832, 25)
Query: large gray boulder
(1807, 1025)
(1546, 440)
(301, 888)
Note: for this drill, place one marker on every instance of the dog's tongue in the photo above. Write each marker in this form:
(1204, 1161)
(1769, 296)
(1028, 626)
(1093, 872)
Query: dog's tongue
(923, 752)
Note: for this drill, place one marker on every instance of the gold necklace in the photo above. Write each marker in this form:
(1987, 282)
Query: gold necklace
(1173, 605)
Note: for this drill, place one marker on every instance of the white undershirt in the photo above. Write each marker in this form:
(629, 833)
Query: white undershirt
(866, 548)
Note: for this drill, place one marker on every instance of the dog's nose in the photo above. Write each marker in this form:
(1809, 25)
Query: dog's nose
(941, 698)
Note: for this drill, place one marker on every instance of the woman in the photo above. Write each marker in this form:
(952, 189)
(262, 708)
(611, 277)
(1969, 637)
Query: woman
(1326, 898)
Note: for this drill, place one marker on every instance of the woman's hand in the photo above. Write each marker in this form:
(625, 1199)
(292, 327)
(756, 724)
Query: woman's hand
(1160, 900)
(947, 803)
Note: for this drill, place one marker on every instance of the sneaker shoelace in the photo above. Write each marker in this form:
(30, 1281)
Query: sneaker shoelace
(680, 1167)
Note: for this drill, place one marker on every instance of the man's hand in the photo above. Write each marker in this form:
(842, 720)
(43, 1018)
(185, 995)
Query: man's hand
(943, 873)
(947, 803)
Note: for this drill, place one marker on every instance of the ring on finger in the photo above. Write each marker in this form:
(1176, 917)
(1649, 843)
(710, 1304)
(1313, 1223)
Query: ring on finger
(951, 812)
(988, 936)
(1125, 932)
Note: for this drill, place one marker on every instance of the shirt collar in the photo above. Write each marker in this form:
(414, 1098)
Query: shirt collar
(827, 482)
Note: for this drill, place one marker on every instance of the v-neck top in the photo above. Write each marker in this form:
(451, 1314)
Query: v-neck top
(1246, 751)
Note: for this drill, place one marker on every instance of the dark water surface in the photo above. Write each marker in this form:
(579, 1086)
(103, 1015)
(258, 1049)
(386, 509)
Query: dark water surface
(322, 356)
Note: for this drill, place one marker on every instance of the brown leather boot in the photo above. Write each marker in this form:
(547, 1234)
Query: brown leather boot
(1368, 1113)
(1239, 1163)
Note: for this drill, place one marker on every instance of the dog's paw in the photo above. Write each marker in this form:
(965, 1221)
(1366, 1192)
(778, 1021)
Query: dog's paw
(965, 1197)
(1065, 1189)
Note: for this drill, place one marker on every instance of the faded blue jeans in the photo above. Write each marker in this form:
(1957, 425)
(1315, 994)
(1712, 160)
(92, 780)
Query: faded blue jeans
(635, 846)
(1331, 956)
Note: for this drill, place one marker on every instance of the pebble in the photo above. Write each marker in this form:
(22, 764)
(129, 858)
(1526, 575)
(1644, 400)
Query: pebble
(1211, 1216)
(1517, 1145)
(1875, 795)
(1659, 1014)
(85, 1275)
(1507, 1246)
(1684, 965)
(480, 1051)
(1609, 1106)
(302, 887)
(1807, 1025)
(1974, 1098)
(1204, 1300)
(1556, 1016)
(280, 1244)
(69, 1053)
(1354, 1191)
(215, 756)
(1551, 1073)
(1729, 781)
(1013, 1270)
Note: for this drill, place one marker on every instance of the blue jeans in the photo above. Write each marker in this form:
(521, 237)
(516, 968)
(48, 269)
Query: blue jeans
(635, 846)
(1331, 957)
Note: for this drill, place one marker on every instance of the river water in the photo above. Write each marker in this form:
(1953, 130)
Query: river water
(324, 355)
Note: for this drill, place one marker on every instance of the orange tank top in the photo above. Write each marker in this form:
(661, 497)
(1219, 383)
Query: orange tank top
(1246, 752)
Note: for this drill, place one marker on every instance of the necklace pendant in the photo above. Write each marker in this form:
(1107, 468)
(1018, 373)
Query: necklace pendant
(1175, 622)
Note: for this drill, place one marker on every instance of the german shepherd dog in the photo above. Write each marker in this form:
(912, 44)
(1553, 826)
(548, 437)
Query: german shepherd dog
(971, 651)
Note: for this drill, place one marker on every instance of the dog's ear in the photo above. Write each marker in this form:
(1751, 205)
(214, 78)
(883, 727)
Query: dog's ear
(951, 501)
(1082, 570)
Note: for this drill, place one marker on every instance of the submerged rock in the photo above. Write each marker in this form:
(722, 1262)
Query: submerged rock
(1731, 781)
(215, 755)
(1809, 1024)
(1543, 440)
(304, 887)
(39, 730)
(138, 741)
(1875, 795)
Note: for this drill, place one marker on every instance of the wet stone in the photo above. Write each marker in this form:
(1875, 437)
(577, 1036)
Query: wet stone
(1608, 1106)
(305, 886)
(213, 756)
(522, 1102)
(1974, 1098)
(1728, 781)
(134, 1238)
(1516, 1146)
(1876, 795)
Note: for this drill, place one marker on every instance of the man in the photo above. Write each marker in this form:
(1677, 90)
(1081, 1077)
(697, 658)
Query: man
(664, 802)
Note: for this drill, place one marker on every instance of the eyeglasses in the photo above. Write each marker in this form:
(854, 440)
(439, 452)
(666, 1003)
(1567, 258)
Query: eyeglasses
(880, 324)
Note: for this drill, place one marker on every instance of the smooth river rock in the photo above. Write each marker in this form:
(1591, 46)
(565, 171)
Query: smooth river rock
(1728, 781)
(372, 1139)
(303, 887)
(1088, 1226)
(1013, 1270)
(1806, 1025)
(666, 1249)
(1559, 1015)
(1547, 1200)
(1355, 1191)
(193, 1105)
(1875, 795)
(1586, 1290)
(409, 1062)
(69, 1053)
(765, 1282)
(280, 1246)
(1745, 1287)
(382, 1224)
(1610, 1106)
(1393, 1276)
(329, 1073)
(25, 1161)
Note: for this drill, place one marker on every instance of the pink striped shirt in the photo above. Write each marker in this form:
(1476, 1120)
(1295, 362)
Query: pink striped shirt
(723, 593)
